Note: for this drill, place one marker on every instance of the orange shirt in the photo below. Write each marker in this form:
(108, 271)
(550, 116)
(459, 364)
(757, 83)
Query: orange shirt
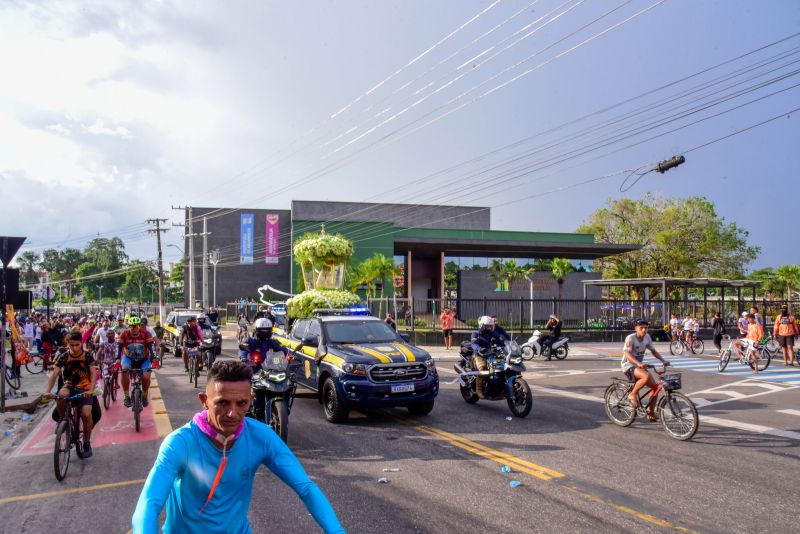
(785, 326)
(755, 332)
(447, 320)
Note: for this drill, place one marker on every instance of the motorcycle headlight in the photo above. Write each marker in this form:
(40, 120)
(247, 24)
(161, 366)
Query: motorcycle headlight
(515, 360)
(277, 376)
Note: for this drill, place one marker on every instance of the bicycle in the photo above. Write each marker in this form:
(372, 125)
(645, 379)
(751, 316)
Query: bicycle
(242, 334)
(193, 356)
(677, 346)
(755, 355)
(136, 394)
(677, 413)
(110, 384)
(69, 434)
(12, 377)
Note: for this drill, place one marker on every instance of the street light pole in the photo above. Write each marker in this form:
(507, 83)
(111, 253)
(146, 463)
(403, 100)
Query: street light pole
(214, 259)
(100, 287)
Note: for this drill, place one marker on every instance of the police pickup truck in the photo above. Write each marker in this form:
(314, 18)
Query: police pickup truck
(355, 361)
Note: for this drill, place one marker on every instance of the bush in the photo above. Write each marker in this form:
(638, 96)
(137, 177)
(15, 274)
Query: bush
(306, 302)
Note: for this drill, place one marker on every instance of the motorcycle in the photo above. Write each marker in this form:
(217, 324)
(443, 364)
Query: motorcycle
(559, 348)
(209, 348)
(274, 388)
(503, 379)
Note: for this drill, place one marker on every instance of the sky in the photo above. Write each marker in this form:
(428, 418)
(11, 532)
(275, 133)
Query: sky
(114, 112)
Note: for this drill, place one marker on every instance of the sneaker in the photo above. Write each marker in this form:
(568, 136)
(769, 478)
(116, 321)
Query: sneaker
(145, 402)
(87, 450)
(127, 402)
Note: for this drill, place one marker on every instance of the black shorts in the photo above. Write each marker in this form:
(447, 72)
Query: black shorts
(629, 374)
(447, 332)
(785, 341)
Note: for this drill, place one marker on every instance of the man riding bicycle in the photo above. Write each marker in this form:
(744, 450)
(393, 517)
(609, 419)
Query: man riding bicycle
(755, 333)
(632, 364)
(191, 337)
(135, 347)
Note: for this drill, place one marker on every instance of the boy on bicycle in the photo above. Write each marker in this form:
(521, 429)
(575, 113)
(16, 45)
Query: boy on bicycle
(755, 333)
(632, 357)
(108, 354)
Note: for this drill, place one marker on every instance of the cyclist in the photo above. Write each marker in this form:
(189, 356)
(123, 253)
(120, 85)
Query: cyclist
(206, 480)
(121, 325)
(784, 331)
(154, 335)
(109, 354)
(191, 337)
(78, 370)
(632, 364)
(243, 323)
(673, 327)
(482, 340)
(755, 333)
(135, 347)
(688, 329)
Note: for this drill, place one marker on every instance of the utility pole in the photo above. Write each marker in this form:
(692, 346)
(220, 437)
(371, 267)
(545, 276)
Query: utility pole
(205, 262)
(188, 231)
(214, 259)
(157, 230)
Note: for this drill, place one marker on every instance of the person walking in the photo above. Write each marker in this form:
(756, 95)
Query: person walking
(446, 319)
(718, 326)
(391, 322)
(784, 332)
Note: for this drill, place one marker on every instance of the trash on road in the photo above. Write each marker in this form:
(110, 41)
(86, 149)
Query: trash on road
(26, 418)
(514, 483)
(383, 480)
(509, 418)
(391, 469)
(505, 469)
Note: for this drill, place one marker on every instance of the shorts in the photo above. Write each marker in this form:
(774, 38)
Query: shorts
(629, 374)
(73, 390)
(144, 364)
(447, 332)
(785, 341)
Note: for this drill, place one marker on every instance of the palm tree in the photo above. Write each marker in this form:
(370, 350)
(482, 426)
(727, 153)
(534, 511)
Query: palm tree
(384, 269)
(789, 275)
(27, 262)
(560, 268)
(363, 274)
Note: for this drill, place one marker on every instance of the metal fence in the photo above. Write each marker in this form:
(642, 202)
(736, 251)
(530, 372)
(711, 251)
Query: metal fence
(602, 314)
(149, 310)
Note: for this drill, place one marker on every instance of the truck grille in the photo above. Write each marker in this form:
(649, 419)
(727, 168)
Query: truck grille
(398, 373)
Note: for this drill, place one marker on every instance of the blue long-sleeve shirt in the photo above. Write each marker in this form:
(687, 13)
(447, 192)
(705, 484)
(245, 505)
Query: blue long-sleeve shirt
(253, 344)
(184, 471)
(483, 340)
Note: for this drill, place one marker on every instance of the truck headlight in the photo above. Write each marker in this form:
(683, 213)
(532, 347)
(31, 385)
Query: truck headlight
(355, 369)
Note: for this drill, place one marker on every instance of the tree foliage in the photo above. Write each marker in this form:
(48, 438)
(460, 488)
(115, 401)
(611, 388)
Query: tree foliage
(306, 302)
(27, 262)
(679, 237)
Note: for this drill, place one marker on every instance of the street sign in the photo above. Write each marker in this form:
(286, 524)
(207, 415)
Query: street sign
(9, 247)
(48, 293)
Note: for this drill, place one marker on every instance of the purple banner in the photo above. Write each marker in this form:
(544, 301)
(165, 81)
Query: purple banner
(273, 231)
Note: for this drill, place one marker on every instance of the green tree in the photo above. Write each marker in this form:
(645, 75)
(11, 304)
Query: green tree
(175, 282)
(363, 275)
(679, 238)
(138, 276)
(560, 268)
(450, 274)
(789, 276)
(27, 262)
(101, 256)
(771, 286)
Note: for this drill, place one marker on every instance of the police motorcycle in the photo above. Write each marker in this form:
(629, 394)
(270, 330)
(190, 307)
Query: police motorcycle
(503, 379)
(558, 349)
(274, 387)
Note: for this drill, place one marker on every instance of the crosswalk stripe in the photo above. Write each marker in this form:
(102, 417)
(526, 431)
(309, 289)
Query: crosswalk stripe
(734, 369)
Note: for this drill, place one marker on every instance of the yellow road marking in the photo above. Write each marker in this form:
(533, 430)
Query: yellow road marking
(538, 471)
(70, 491)
(160, 415)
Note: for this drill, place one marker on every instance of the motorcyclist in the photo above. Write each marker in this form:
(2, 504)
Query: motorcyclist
(266, 313)
(482, 340)
(262, 341)
(554, 328)
(499, 329)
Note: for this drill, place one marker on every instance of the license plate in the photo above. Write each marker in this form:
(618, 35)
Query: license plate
(402, 388)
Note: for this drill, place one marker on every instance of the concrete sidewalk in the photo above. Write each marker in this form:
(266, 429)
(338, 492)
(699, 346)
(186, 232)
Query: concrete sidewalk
(23, 409)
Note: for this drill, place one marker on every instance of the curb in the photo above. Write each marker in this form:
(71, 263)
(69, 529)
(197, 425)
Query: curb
(160, 415)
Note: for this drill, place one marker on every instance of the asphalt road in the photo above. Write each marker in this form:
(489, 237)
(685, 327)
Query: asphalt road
(578, 472)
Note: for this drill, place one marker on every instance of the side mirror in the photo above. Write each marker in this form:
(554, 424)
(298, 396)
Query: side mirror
(311, 341)
(405, 337)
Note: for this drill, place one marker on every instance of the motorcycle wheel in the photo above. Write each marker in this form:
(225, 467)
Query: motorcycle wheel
(469, 394)
(521, 402)
(527, 353)
(279, 419)
(561, 352)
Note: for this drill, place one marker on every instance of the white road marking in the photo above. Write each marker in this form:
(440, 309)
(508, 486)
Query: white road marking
(790, 412)
(570, 394)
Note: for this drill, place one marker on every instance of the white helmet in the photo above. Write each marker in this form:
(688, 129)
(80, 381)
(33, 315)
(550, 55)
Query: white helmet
(263, 322)
(744, 314)
(485, 321)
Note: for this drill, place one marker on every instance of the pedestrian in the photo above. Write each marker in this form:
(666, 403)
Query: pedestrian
(390, 321)
(446, 319)
(28, 332)
(784, 331)
(204, 470)
(742, 324)
(718, 326)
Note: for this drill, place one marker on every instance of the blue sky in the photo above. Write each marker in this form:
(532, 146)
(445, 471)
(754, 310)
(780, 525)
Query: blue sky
(116, 111)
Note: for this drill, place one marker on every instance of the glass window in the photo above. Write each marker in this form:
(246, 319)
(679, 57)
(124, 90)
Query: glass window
(359, 332)
(313, 329)
(300, 327)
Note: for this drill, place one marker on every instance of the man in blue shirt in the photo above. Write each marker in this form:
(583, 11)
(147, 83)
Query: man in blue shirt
(204, 470)
(482, 340)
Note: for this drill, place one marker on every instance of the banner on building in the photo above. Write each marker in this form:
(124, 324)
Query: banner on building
(246, 240)
(273, 232)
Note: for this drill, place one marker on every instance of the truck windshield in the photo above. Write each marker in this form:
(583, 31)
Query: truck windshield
(359, 332)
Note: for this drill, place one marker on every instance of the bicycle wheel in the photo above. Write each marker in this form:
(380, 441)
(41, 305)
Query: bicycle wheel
(676, 348)
(762, 358)
(12, 378)
(196, 373)
(618, 407)
(107, 387)
(724, 358)
(36, 365)
(678, 416)
(61, 450)
(698, 346)
(136, 404)
(191, 369)
(114, 389)
(77, 433)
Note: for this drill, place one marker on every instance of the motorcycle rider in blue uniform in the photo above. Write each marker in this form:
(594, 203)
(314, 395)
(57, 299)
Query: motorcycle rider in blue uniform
(482, 340)
(262, 341)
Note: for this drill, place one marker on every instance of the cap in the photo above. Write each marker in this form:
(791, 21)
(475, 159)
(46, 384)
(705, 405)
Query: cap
(642, 322)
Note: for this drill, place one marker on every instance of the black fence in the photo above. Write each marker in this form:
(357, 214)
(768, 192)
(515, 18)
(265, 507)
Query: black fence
(585, 315)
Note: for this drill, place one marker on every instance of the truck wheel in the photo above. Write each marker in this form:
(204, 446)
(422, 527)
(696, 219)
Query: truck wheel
(423, 408)
(332, 403)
